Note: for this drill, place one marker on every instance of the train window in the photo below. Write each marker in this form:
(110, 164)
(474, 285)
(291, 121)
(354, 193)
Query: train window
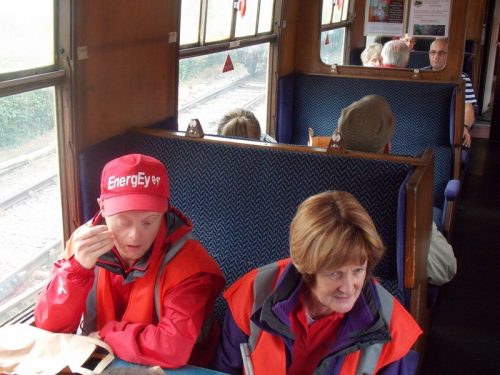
(190, 21)
(26, 35)
(30, 220)
(218, 13)
(335, 27)
(30, 198)
(206, 93)
(225, 50)
(332, 46)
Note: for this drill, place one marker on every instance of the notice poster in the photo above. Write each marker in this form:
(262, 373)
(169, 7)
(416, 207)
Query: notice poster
(429, 18)
(384, 17)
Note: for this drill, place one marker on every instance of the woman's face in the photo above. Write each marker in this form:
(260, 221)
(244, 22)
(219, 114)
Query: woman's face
(375, 60)
(336, 290)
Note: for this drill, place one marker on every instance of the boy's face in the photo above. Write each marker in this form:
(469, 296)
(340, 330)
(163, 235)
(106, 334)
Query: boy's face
(134, 232)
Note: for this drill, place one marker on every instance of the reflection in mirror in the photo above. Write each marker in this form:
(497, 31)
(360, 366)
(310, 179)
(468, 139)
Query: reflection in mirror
(395, 54)
(206, 92)
(342, 41)
(371, 55)
(332, 46)
(335, 23)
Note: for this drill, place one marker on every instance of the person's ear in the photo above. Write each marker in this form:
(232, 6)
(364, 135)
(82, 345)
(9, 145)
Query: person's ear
(100, 202)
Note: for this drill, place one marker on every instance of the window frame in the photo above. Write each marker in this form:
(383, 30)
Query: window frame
(347, 24)
(44, 76)
(272, 37)
(57, 75)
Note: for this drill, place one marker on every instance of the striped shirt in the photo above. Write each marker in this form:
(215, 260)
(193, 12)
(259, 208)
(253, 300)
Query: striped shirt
(469, 90)
(470, 97)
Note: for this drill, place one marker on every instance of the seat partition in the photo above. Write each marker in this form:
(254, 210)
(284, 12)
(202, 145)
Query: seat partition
(241, 197)
(425, 115)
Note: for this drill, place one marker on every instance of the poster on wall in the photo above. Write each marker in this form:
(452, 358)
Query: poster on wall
(384, 17)
(429, 18)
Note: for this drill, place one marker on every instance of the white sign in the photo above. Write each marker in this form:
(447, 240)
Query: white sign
(429, 18)
(384, 17)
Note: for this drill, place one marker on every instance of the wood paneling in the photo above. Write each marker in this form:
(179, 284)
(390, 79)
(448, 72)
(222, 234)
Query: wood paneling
(475, 19)
(130, 75)
(357, 32)
(287, 49)
(308, 50)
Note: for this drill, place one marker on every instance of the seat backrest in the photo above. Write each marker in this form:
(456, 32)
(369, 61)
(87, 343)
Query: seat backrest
(242, 199)
(91, 162)
(420, 123)
(319, 100)
(242, 196)
(418, 60)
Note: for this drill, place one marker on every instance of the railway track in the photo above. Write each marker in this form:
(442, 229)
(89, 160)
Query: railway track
(209, 108)
(26, 281)
(19, 161)
(30, 223)
(28, 192)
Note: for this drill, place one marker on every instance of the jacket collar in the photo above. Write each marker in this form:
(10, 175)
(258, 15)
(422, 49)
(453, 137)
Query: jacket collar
(362, 326)
(177, 226)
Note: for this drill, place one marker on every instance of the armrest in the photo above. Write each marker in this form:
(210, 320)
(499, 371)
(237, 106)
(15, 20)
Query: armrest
(451, 193)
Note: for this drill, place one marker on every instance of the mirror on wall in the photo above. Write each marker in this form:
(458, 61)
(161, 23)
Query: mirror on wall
(354, 33)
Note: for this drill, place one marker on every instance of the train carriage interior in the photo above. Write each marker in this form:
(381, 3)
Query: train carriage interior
(84, 82)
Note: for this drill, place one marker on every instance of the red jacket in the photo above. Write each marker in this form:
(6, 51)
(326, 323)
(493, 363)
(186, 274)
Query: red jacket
(120, 304)
(378, 324)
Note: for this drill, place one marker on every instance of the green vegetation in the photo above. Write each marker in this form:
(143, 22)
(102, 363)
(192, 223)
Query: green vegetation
(25, 116)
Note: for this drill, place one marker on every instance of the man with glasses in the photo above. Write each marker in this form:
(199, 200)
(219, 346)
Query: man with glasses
(438, 55)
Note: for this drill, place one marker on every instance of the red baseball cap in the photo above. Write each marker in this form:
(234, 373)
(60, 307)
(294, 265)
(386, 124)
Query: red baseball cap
(134, 182)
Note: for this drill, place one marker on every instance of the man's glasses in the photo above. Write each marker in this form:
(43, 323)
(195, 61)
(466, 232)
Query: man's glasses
(439, 53)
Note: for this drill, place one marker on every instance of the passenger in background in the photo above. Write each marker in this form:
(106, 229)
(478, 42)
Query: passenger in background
(368, 126)
(371, 55)
(410, 41)
(321, 310)
(242, 123)
(395, 54)
(140, 279)
(438, 56)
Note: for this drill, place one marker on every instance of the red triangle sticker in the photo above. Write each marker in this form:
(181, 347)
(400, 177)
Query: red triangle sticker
(242, 7)
(228, 65)
(327, 39)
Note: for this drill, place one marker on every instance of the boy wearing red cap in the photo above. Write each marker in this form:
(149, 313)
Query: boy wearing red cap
(151, 295)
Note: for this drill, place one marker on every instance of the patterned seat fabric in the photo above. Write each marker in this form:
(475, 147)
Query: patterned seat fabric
(242, 199)
(422, 120)
(91, 162)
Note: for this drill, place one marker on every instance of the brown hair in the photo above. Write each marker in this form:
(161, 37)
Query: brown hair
(239, 123)
(332, 229)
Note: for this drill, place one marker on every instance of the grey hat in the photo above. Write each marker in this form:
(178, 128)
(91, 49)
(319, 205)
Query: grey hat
(367, 125)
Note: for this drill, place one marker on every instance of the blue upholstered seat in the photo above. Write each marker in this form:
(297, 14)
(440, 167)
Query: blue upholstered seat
(242, 199)
(424, 115)
(91, 162)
